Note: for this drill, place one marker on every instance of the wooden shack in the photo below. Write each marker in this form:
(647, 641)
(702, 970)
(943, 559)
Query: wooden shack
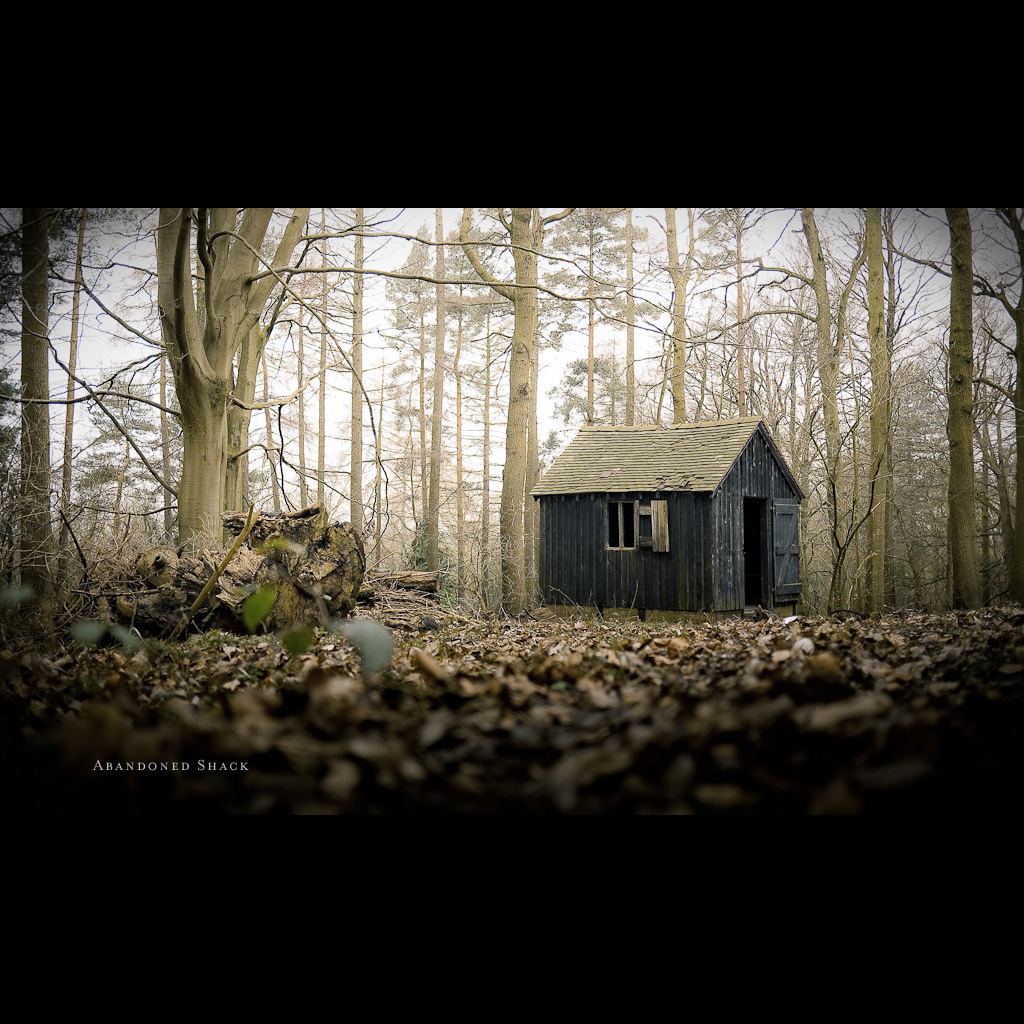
(694, 518)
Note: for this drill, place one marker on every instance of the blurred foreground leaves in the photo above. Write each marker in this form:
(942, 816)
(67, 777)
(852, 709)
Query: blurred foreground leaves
(907, 714)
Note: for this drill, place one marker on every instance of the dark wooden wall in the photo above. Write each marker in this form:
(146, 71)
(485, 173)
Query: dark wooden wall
(756, 474)
(577, 567)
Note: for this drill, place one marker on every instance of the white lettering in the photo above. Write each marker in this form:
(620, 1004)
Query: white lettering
(166, 766)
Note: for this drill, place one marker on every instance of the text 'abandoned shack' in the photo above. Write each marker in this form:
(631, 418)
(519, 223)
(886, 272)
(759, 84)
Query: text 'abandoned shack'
(698, 517)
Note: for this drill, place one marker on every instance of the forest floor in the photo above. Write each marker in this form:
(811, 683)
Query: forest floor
(903, 714)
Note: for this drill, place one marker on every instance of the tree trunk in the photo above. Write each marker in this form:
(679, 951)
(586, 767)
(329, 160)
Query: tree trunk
(890, 341)
(271, 448)
(205, 439)
(378, 488)
(1017, 565)
(36, 530)
(881, 413)
(524, 335)
(434, 498)
(356, 458)
(485, 496)
(828, 373)
(531, 509)
(201, 351)
(169, 497)
(236, 483)
(1011, 216)
(460, 549)
(740, 353)
(321, 423)
(69, 419)
(303, 486)
(630, 323)
(591, 317)
(963, 527)
(424, 468)
(678, 320)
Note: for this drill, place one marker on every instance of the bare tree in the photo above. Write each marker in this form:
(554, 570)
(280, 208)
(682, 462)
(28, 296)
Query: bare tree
(526, 231)
(203, 353)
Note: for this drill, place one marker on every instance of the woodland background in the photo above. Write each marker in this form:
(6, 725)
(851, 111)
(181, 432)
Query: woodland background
(414, 371)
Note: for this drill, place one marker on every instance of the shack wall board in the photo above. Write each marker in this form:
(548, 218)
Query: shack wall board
(577, 565)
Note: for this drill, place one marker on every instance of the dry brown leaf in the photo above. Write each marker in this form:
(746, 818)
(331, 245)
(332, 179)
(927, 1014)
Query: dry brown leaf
(427, 664)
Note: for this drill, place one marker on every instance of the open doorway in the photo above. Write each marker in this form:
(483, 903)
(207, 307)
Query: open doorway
(755, 545)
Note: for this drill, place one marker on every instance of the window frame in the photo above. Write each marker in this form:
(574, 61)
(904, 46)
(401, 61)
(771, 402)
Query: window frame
(620, 523)
(653, 509)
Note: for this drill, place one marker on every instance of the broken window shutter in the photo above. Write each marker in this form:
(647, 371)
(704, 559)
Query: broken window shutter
(659, 524)
(787, 551)
(644, 537)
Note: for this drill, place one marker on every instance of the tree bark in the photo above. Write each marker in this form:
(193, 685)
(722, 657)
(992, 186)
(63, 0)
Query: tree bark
(630, 323)
(679, 282)
(460, 548)
(434, 497)
(36, 530)
(485, 495)
(239, 413)
(828, 374)
(303, 486)
(69, 419)
(531, 509)
(356, 457)
(963, 527)
(1011, 217)
(740, 351)
(271, 447)
(169, 497)
(524, 336)
(881, 413)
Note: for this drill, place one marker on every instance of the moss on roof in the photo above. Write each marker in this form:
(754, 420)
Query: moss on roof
(686, 457)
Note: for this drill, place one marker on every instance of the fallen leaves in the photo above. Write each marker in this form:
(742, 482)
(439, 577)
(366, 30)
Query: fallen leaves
(911, 713)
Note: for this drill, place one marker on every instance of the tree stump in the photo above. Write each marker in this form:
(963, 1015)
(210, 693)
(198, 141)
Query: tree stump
(313, 567)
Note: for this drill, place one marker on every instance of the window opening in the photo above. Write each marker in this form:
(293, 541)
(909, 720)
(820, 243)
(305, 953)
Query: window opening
(613, 524)
(635, 524)
(622, 524)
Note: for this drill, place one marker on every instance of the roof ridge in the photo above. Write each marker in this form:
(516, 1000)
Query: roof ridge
(594, 427)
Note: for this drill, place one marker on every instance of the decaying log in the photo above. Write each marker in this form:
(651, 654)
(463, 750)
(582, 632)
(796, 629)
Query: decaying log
(408, 579)
(212, 582)
(314, 568)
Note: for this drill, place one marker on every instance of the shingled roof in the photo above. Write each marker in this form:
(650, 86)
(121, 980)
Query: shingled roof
(686, 457)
